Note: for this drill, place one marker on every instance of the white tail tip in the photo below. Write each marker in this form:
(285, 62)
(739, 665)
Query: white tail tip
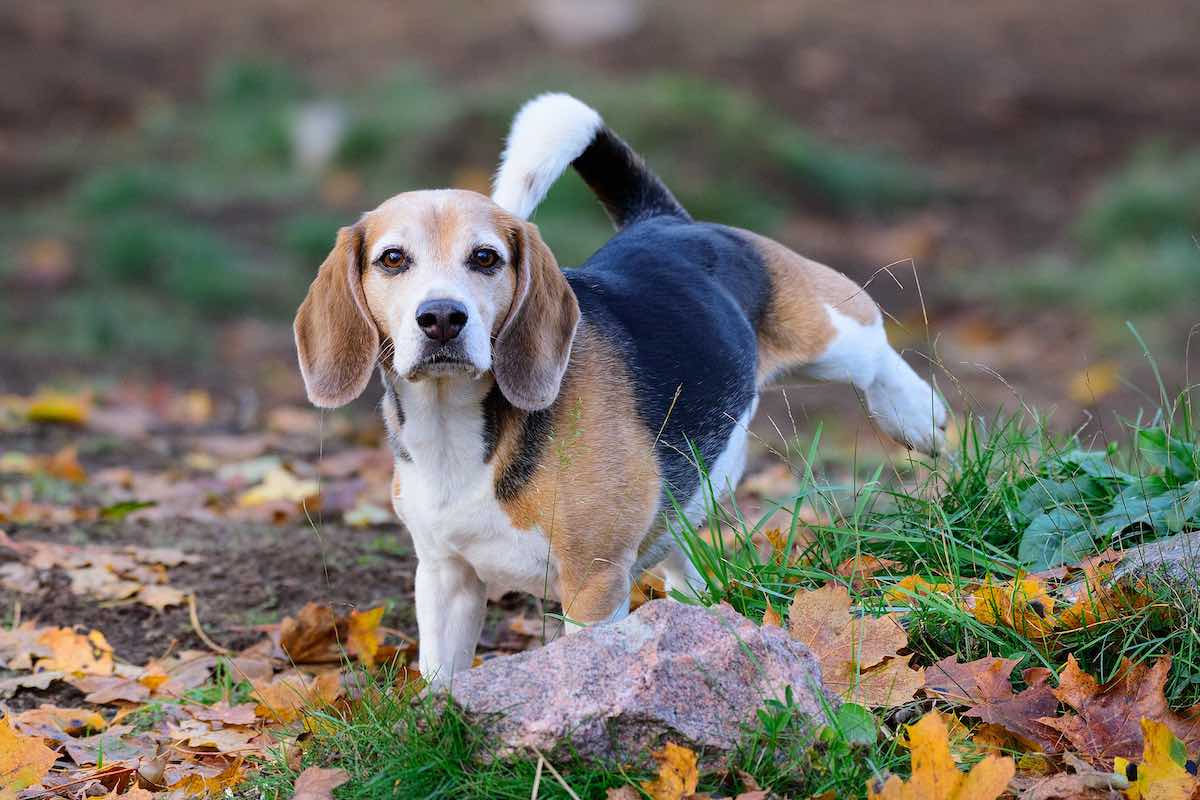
(547, 134)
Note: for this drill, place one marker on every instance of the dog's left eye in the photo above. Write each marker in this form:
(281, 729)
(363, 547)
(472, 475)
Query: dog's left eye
(484, 258)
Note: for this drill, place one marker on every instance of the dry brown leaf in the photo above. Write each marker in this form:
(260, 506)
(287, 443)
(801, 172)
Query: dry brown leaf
(159, 597)
(318, 783)
(935, 776)
(985, 686)
(38, 680)
(242, 714)
(68, 720)
(1107, 719)
(677, 774)
(859, 656)
(284, 699)
(861, 569)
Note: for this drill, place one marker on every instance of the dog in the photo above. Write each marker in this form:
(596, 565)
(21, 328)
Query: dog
(546, 424)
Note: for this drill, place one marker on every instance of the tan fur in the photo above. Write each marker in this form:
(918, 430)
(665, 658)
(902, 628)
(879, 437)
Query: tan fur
(534, 342)
(796, 327)
(336, 339)
(597, 489)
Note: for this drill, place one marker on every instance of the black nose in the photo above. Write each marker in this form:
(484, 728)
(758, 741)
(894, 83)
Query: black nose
(442, 320)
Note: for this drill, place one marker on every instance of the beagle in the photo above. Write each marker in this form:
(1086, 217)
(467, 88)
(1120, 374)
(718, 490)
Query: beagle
(545, 423)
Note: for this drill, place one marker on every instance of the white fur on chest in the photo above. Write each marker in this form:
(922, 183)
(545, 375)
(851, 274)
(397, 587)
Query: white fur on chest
(446, 494)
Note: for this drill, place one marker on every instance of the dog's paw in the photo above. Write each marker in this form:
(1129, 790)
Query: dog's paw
(906, 408)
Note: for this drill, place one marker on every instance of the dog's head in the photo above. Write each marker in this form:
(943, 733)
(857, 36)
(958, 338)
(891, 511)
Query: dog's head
(436, 284)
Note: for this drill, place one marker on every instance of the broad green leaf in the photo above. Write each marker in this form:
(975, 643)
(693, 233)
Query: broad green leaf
(1046, 494)
(1167, 512)
(1096, 463)
(1176, 457)
(856, 724)
(1059, 536)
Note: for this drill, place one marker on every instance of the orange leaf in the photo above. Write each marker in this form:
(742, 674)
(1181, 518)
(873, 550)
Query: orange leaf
(859, 655)
(677, 774)
(363, 639)
(1023, 605)
(24, 760)
(74, 652)
(934, 773)
(316, 783)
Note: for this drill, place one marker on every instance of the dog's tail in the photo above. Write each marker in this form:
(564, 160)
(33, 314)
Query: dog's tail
(553, 131)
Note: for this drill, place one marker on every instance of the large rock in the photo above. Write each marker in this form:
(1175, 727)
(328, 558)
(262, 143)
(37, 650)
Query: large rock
(1174, 560)
(670, 671)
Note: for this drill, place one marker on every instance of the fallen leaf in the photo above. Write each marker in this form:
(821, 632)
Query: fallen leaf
(75, 652)
(911, 586)
(771, 618)
(363, 639)
(65, 465)
(1162, 773)
(159, 596)
(198, 785)
(38, 680)
(861, 569)
(935, 776)
(284, 699)
(106, 689)
(241, 714)
(59, 407)
(1022, 605)
(859, 655)
(985, 686)
(318, 783)
(24, 760)
(1106, 722)
(677, 774)
(68, 720)
(279, 485)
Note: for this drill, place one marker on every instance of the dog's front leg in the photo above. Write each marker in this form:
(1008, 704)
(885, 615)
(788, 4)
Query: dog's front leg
(451, 602)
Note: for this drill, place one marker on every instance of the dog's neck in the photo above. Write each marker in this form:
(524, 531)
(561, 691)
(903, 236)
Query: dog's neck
(446, 428)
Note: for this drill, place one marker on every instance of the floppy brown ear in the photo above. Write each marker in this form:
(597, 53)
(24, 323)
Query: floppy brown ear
(336, 338)
(534, 343)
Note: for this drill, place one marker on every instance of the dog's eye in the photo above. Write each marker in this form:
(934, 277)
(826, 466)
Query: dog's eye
(393, 260)
(484, 258)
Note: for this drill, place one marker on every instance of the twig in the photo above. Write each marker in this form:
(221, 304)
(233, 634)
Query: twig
(537, 778)
(216, 648)
(557, 777)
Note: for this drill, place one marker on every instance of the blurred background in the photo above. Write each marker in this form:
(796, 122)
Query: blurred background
(1014, 180)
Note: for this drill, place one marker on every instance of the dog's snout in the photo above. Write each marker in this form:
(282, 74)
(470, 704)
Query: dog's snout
(441, 320)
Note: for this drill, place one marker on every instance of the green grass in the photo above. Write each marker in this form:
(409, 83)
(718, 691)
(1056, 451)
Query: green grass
(962, 519)
(393, 745)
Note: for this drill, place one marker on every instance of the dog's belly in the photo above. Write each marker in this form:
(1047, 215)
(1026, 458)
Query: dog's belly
(472, 526)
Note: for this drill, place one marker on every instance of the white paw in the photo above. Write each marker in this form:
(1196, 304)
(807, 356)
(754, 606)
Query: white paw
(907, 408)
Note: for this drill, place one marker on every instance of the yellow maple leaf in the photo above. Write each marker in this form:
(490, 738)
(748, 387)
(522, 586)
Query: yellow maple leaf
(279, 485)
(934, 773)
(59, 407)
(677, 774)
(1163, 774)
(363, 638)
(1023, 605)
(859, 655)
(24, 760)
(74, 652)
(915, 586)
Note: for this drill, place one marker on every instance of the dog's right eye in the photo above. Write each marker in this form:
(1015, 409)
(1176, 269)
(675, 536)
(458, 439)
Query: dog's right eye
(393, 260)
